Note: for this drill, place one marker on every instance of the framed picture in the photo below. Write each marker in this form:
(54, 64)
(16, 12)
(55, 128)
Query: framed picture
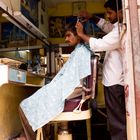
(70, 19)
(77, 7)
(10, 32)
(56, 26)
(29, 8)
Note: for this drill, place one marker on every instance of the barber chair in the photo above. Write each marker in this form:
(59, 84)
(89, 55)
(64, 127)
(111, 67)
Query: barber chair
(76, 109)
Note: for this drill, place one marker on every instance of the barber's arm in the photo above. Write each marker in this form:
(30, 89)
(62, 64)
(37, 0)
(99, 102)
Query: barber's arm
(108, 42)
(105, 25)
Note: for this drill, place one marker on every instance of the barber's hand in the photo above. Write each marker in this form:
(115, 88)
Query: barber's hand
(79, 28)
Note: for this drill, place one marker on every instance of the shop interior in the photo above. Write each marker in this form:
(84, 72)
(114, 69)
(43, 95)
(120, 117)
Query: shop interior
(32, 51)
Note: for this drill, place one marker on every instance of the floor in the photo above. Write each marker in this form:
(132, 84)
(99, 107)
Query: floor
(98, 126)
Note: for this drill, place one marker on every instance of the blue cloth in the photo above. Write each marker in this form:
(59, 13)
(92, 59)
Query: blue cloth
(48, 102)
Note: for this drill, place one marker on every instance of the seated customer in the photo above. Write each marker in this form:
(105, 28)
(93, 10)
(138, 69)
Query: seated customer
(48, 102)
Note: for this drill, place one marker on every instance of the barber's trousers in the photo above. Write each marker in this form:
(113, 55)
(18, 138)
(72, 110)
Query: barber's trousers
(116, 113)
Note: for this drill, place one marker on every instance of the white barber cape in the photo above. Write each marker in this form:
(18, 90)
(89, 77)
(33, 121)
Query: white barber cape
(48, 102)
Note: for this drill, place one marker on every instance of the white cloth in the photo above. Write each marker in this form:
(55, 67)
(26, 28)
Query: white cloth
(112, 67)
(48, 101)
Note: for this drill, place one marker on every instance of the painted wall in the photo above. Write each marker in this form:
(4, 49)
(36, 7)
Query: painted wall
(65, 9)
(10, 97)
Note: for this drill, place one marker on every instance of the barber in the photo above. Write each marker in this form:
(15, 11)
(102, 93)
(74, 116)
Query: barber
(113, 77)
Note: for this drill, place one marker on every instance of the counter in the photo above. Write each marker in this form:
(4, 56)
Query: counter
(15, 85)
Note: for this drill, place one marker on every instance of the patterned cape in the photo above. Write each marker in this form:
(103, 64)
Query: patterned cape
(48, 102)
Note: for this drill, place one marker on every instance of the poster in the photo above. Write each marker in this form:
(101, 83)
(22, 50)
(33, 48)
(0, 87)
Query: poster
(57, 26)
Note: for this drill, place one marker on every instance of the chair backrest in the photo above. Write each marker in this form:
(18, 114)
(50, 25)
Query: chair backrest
(90, 87)
(91, 80)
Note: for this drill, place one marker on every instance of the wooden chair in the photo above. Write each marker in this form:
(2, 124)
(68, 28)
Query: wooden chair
(76, 109)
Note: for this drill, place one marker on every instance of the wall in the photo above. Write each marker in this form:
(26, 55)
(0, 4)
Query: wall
(10, 97)
(43, 19)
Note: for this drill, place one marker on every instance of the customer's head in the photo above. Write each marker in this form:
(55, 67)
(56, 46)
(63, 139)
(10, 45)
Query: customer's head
(113, 10)
(71, 36)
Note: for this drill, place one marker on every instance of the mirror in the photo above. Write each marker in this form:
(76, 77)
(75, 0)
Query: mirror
(19, 43)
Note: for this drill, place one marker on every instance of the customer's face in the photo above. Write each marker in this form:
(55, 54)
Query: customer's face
(71, 39)
(111, 15)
